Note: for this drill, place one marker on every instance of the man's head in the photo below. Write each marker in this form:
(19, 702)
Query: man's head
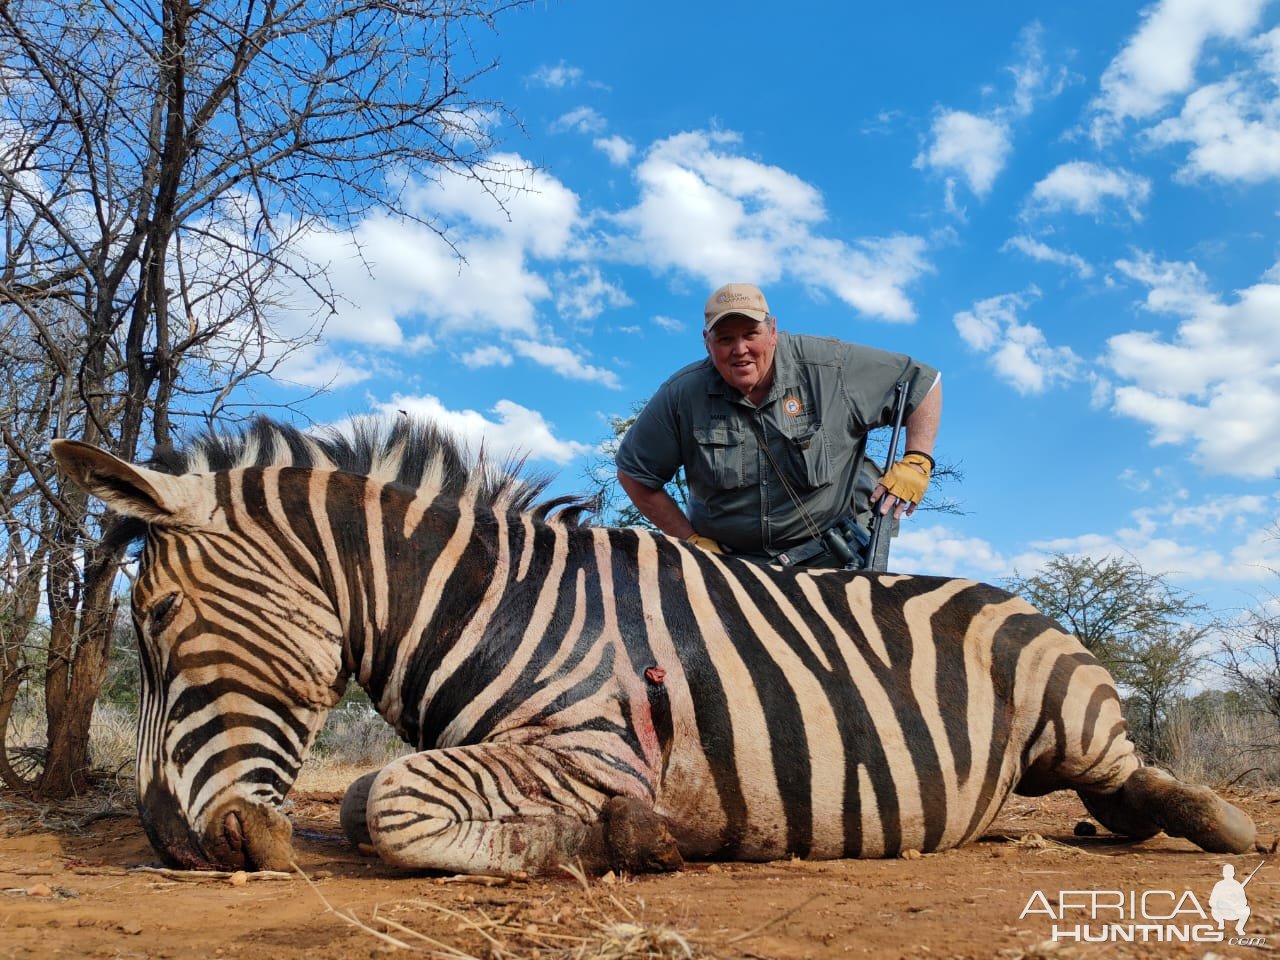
(734, 299)
(741, 337)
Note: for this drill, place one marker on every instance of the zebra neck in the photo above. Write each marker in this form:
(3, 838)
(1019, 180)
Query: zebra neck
(411, 589)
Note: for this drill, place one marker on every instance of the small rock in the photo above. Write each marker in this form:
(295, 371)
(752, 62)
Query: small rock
(910, 854)
(715, 868)
(39, 890)
(130, 928)
(238, 879)
(609, 878)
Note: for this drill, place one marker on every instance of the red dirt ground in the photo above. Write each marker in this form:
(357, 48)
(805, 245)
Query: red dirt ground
(75, 893)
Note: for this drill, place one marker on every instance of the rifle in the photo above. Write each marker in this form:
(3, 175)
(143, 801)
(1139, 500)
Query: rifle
(1250, 876)
(876, 555)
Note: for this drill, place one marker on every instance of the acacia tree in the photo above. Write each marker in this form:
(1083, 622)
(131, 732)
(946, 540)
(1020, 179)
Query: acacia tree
(159, 162)
(1165, 661)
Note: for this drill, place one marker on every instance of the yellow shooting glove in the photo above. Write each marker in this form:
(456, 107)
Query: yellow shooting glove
(909, 477)
(703, 543)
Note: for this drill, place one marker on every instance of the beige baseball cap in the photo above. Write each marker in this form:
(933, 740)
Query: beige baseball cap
(734, 298)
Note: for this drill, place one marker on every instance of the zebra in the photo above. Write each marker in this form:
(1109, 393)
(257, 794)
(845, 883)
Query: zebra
(575, 692)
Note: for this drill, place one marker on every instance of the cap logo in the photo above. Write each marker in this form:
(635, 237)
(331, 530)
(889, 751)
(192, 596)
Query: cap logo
(729, 297)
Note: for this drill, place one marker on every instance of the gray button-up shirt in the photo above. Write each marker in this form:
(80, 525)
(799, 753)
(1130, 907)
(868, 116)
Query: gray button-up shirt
(826, 395)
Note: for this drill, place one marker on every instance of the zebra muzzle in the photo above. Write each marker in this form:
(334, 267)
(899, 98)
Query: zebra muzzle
(250, 837)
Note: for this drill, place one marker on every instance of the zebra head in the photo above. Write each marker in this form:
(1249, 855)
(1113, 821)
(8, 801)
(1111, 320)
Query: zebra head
(240, 653)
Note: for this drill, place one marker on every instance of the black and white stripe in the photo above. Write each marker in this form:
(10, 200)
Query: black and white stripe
(823, 714)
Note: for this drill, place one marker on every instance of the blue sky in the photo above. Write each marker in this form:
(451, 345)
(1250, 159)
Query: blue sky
(1070, 209)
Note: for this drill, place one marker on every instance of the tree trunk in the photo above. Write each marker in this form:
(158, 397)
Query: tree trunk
(67, 763)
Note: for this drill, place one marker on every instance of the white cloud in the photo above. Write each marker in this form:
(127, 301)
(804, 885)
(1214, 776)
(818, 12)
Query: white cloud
(869, 274)
(1159, 547)
(940, 551)
(708, 212)
(1033, 78)
(516, 431)
(975, 147)
(565, 362)
(557, 77)
(669, 323)
(1038, 250)
(398, 279)
(616, 148)
(1215, 384)
(490, 356)
(583, 119)
(1159, 61)
(1018, 352)
(1087, 188)
(517, 203)
(583, 293)
(1234, 130)
(317, 367)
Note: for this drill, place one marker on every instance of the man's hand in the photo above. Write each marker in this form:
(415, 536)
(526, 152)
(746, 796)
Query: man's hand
(903, 487)
(703, 543)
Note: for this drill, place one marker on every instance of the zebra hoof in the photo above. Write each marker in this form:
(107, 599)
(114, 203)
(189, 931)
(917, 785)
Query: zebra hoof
(1190, 811)
(353, 815)
(636, 839)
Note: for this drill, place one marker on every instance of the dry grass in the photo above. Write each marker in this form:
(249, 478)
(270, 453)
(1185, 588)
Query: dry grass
(325, 775)
(106, 799)
(356, 735)
(598, 924)
(1223, 748)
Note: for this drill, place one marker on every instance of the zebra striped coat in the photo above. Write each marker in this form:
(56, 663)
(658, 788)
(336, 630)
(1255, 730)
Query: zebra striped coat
(609, 695)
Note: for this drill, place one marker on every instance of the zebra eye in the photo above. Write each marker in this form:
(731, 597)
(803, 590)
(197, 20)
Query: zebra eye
(162, 611)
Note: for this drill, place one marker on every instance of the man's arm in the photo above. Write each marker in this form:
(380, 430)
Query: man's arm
(657, 506)
(922, 425)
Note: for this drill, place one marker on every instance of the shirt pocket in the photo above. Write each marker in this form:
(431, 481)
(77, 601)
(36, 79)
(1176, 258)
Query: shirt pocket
(807, 460)
(719, 456)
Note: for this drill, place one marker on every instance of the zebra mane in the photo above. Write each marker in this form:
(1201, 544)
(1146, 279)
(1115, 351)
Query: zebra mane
(407, 451)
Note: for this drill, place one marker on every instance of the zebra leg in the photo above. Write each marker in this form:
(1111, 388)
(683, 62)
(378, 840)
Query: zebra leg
(1151, 800)
(507, 808)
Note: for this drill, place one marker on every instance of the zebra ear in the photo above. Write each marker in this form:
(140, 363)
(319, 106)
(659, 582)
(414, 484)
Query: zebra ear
(127, 489)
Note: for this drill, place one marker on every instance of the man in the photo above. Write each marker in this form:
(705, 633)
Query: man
(771, 430)
(1228, 901)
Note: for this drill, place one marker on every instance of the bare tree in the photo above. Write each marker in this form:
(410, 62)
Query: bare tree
(602, 476)
(1249, 656)
(159, 162)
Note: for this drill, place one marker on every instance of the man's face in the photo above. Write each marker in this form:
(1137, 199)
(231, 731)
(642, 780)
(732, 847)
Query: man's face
(742, 351)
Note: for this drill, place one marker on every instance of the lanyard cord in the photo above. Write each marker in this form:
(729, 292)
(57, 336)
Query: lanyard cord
(757, 424)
